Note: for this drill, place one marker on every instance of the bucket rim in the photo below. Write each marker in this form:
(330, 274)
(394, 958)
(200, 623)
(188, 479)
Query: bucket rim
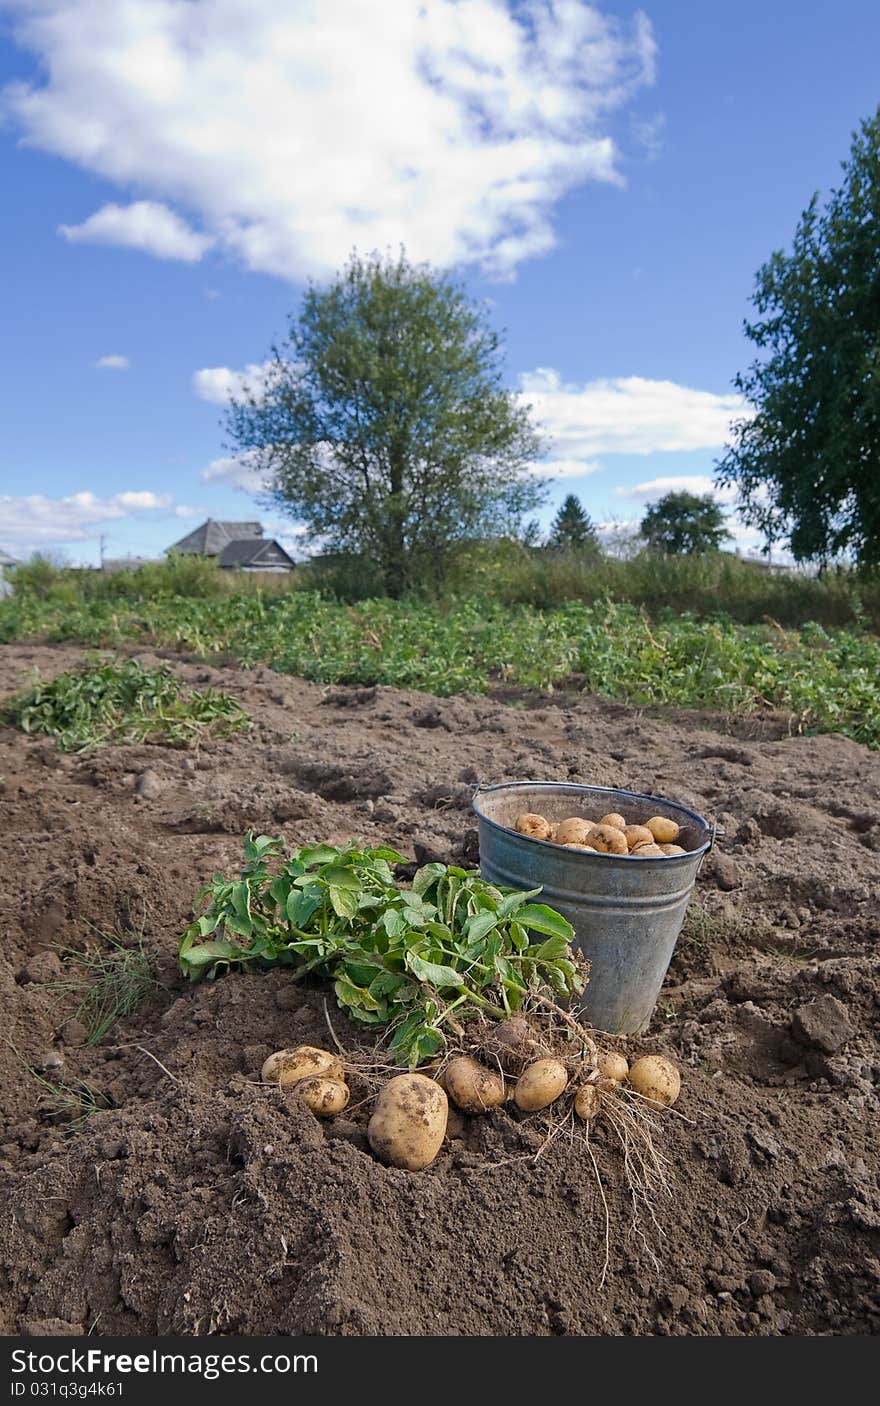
(701, 850)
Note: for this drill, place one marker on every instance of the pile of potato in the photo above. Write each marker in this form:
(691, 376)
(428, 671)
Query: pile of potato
(610, 835)
(409, 1120)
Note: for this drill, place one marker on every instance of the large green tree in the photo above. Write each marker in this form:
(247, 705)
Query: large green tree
(683, 524)
(383, 423)
(807, 465)
(572, 528)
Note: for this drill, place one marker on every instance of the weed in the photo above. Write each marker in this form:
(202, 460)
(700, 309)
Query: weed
(110, 983)
(119, 702)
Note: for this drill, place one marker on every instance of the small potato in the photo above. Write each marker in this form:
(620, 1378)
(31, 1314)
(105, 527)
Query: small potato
(540, 1084)
(572, 845)
(409, 1122)
(673, 849)
(644, 851)
(615, 820)
(609, 839)
(586, 1103)
(665, 831)
(287, 1067)
(638, 835)
(323, 1096)
(472, 1087)
(514, 1044)
(656, 1079)
(613, 1065)
(574, 831)
(535, 826)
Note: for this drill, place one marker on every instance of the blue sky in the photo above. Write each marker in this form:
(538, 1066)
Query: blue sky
(609, 178)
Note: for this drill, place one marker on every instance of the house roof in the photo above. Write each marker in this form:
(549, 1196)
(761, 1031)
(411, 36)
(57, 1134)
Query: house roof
(6, 559)
(212, 536)
(262, 552)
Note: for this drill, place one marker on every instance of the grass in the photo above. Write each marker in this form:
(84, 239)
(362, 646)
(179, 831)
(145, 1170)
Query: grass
(122, 702)
(822, 679)
(110, 983)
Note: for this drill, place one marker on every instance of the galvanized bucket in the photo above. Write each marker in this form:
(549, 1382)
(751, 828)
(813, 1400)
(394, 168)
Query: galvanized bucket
(626, 912)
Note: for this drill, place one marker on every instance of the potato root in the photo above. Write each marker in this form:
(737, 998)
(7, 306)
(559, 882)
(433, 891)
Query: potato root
(574, 831)
(534, 826)
(613, 1065)
(287, 1067)
(609, 839)
(617, 821)
(323, 1096)
(656, 1079)
(472, 1087)
(540, 1085)
(514, 1044)
(665, 831)
(586, 1103)
(638, 835)
(409, 1122)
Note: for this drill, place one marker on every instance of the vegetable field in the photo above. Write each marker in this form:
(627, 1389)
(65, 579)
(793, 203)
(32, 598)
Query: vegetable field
(821, 680)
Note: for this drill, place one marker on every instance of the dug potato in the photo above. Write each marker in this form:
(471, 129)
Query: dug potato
(665, 831)
(609, 839)
(617, 821)
(305, 1061)
(656, 1079)
(574, 831)
(571, 845)
(586, 1103)
(323, 1096)
(535, 826)
(540, 1085)
(673, 849)
(409, 1122)
(638, 835)
(472, 1087)
(514, 1044)
(613, 1065)
(647, 851)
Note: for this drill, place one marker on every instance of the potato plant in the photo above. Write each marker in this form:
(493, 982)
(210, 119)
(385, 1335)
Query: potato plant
(415, 961)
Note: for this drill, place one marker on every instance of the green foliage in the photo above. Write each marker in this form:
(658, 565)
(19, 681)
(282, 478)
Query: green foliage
(118, 702)
(572, 529)
(683, 524)
(824, 680)
(416, 960)
(383, 422)
(808, 464)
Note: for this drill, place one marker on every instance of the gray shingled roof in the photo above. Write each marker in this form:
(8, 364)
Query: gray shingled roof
(248, 553)
(212, 536)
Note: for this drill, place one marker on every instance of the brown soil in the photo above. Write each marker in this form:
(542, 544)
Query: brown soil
(197, 1201)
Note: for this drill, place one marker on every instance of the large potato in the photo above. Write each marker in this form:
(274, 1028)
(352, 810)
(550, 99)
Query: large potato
(664, 830)
(286, 1067)
(540, 1084)
(613, 1065)
(638, 835)
(472, 1087)
(656, 1079)
(409, 1122)
(609, 839)
(614, 819)
(534, 826)
(574, 831)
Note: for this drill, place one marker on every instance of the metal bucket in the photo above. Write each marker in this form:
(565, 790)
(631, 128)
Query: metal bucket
(626, 912)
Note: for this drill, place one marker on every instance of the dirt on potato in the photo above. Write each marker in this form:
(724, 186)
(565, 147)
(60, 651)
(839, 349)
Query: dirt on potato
(195, 1200)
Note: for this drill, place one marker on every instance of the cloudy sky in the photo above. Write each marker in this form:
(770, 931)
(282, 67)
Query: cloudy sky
(608, 178)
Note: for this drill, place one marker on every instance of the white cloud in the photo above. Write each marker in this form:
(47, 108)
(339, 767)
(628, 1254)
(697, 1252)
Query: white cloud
(218, 383)
(145, 225)
(655, 488)
(236, 471)
(566, 468)
(112, 363)
(35, 521)
(292, 130)
(626, 415)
